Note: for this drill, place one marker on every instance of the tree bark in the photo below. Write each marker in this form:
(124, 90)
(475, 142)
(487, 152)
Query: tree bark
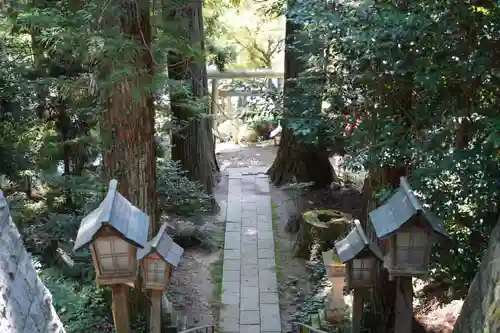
(193, 146)
(301, 163)
(128, 125)
(296, 160)
(317, 229)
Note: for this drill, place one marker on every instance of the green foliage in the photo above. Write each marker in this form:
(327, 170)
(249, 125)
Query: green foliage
(216, 276)
(82, 307)
(58, 62)
(178, 194)
(419, 81)
(296, 191)
(263, 109)
(220, 51)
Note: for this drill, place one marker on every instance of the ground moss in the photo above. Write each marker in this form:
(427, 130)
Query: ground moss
(275, 220)
(216, 268)
(216, 275)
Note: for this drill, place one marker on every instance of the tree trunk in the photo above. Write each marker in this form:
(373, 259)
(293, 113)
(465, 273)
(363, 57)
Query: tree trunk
(193, 146)
(317, 230)
(128, 126)
(300, 162)
(295, 160)
(384, 294)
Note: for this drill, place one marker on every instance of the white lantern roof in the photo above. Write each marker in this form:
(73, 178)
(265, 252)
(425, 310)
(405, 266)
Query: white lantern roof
(401, 208)
(356, 244)
(164, 246)
(116, 211)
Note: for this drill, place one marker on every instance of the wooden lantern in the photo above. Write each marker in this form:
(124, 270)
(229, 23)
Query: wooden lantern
(407, 233)
(409, 250)
(360, 256)
(114, 231)
(156, 272)
(361, 271)
(158, 257)
(114, 257)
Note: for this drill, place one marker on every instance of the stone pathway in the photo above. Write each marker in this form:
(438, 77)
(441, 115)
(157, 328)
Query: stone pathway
(249, 285)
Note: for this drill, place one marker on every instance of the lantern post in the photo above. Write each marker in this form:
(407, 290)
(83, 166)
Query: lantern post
(114, 231)
(361, 258)
(158, 257)
(406, 232)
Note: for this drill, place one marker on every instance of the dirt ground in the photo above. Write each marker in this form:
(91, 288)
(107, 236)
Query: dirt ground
(191, 288)
(293, 281)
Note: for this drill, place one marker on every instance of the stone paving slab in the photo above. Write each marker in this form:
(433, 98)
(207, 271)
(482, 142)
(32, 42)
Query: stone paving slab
(250, 302)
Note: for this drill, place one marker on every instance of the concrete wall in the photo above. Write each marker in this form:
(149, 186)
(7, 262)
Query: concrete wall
(481, 310)
(25, 303)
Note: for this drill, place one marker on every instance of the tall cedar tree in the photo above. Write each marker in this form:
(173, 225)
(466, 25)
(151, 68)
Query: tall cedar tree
(296, 159)
(128, 125)
(193, 146)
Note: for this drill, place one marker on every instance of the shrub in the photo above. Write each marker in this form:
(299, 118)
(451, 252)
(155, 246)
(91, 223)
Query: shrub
(177, 193)
(83, 307)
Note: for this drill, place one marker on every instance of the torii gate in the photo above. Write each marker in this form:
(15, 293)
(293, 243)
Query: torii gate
(215, 76)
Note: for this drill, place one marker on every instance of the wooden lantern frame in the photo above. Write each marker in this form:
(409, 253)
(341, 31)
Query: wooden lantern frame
(160, 249)
(119, 277)
(394, 262)
(361, 257)
(115, 220)
(354, 282)
(154, 258)
(403, 214)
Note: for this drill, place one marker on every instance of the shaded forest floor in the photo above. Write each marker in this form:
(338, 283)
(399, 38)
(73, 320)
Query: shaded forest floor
(196, 282)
